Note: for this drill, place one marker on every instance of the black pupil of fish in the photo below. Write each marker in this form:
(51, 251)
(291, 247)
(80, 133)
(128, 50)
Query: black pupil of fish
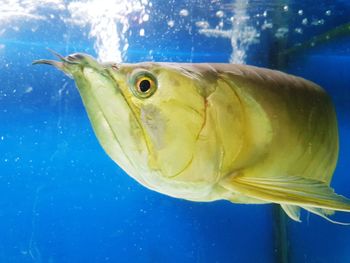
(144, 85)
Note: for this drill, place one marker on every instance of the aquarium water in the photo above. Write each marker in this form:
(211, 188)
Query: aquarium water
(63, 200)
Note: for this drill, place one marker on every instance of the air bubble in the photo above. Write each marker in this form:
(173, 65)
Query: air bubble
(184, 12)
(266, 25)
(219, 13)
(28, 90)
(145, 18)
(171, 23)
(317, 22)
(202, 24)
(281, 32)
(298, 30)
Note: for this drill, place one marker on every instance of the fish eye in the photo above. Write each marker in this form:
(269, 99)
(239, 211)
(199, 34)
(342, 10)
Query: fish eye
(143, 84)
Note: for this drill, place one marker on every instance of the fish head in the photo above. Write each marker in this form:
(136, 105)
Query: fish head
(147, 116)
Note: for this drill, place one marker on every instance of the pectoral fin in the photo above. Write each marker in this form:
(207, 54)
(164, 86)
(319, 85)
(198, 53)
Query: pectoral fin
(292, 211)
(291, 192)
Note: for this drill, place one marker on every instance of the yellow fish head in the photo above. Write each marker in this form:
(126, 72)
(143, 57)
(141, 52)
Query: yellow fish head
(147, 116)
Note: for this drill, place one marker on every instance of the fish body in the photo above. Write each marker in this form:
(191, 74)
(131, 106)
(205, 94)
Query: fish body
(206, 132)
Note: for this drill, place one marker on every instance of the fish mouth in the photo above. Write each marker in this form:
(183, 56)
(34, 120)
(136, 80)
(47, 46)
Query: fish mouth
(71, 59)
(70, 63)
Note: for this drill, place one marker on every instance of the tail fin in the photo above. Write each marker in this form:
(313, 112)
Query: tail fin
(292, 192)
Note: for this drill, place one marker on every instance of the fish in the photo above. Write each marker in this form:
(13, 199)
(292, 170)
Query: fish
(209, 131)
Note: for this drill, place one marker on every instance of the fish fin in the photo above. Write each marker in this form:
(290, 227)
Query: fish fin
(292, 211)
(324, 213)
(314, 196)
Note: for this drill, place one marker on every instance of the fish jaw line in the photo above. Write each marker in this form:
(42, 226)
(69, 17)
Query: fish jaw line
(112, 120)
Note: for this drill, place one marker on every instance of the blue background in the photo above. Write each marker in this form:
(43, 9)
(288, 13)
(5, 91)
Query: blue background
(63, 200)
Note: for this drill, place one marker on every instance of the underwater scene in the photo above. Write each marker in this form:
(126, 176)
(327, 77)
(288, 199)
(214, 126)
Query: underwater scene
(64, 198)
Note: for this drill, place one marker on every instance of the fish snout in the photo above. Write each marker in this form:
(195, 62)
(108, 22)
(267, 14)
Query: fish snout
(72, 63)
(76, 57)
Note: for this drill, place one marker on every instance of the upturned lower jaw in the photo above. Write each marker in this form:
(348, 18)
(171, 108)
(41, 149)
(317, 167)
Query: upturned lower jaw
(72, 63)
(62, 64)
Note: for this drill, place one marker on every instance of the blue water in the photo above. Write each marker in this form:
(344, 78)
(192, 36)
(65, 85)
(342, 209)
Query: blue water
(63, 200)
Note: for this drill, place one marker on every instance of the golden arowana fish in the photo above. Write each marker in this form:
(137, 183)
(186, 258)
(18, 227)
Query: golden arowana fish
(206, 132)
